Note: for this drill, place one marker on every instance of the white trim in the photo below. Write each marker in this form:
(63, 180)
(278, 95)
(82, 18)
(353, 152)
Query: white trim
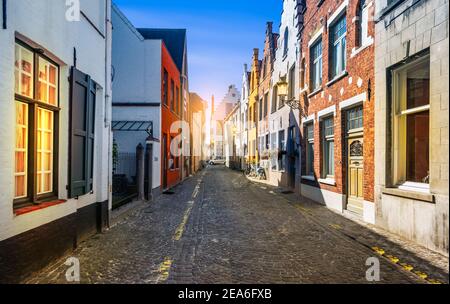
(327, 111)
(416, 187)
(337, 12)
(353, 101)
(327, 181)
(309, 119)
(415, 110)
(369, 212)
(315, 37)
(368, 42)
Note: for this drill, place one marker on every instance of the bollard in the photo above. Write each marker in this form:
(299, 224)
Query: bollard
(140, 172)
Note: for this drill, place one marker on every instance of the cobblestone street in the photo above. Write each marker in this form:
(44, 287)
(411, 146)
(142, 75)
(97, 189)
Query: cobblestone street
(219, 227)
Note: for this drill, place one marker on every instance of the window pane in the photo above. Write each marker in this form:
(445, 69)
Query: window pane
(23, 71)
(418, 93)
(44, 151)
(48, 82)
(418, 138)
(21, 150)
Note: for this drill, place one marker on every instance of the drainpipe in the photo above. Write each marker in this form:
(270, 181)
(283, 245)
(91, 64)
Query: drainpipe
(5, 15)
(108, 100)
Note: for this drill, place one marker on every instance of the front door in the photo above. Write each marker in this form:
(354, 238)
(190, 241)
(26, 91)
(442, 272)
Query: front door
(355, 174)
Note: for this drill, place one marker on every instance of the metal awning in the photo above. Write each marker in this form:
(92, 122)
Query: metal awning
(146, 126)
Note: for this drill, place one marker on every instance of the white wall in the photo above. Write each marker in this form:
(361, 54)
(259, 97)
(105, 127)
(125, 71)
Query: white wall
(44, 23)
(137, 64)
(283, 118)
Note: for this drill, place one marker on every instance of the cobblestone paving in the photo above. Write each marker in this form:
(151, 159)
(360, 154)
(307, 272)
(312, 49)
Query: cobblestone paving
(219, 227)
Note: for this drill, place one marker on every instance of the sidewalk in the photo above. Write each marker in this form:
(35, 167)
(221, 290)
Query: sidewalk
(425, 263)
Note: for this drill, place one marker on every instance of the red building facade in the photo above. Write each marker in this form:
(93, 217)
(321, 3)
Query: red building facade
(171, 113)
(336, 82)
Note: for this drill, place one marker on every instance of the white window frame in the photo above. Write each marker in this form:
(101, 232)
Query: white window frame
(316, 71)
(326, 141)
(338, 49)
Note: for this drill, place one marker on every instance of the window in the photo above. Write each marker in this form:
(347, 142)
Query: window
(261, 104)
(166, 88)
(291, 93)
(328, 148)
(355, 118)
(274, 99)
(177, 101)
(286, 42)
(36, 105)
(266, 101)
(411, 108)
(172, 95)
(316, 65)
(338, 47)
(362, 22)
(267, 147)
(282, 150)
(309, 131)
(274, 156)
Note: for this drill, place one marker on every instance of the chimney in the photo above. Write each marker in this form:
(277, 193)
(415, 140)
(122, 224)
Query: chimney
(269, 27)
(255, 54)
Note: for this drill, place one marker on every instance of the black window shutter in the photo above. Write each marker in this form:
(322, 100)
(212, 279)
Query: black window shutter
(82, 130)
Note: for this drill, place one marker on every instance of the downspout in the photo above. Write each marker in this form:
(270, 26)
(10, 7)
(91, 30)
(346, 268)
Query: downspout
(108, 101)
(4, 14)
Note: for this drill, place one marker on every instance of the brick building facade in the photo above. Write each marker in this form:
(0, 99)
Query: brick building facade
(265, 86)
(337, 108)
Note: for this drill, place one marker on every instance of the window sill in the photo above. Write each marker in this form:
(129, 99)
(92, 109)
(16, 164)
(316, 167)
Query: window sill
(309, 177)
(29, 209)
(337, 78)
(327, 181)
(316, 91)
(415, 195)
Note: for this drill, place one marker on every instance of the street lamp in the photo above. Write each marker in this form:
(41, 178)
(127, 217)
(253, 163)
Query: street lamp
(282, 89)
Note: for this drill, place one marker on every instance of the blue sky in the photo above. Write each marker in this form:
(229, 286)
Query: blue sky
(221, 34)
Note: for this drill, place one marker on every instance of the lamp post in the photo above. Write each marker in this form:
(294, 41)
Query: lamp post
(283, 88)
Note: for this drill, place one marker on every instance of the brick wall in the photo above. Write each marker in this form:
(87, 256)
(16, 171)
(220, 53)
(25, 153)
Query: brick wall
(360, 72)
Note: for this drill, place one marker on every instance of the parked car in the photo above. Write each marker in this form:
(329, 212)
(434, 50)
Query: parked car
(214, 162)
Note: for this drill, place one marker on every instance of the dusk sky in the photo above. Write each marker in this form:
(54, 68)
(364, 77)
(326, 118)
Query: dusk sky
(221, 35)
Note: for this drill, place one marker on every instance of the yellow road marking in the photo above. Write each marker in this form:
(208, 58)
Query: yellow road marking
(336, 226)
(180, 230)
(164, 270)
(433, 281)
(393, 259)
(421, 274)
(406, 267)
(378, 250)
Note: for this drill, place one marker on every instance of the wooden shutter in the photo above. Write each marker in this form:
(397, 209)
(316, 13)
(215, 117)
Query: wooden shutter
(82, 133)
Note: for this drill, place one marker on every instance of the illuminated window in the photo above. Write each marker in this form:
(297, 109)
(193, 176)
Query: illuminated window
(34, 172)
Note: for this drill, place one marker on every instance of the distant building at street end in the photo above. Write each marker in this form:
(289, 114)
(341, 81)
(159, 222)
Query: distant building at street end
(198, 130)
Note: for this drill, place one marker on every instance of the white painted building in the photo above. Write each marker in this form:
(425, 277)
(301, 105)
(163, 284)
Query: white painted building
(55, 104)
(411, 148)
(232, 138)
(283, 121)
(137, 88)
(243, 126)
